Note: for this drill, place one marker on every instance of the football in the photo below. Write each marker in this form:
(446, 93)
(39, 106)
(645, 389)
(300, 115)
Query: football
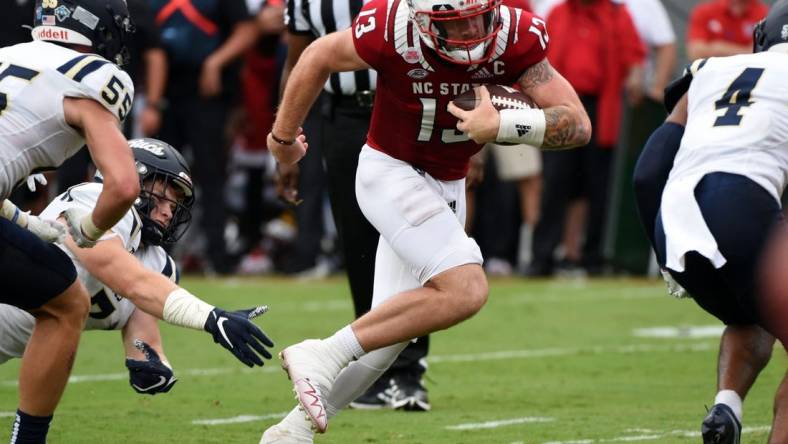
(503, 97)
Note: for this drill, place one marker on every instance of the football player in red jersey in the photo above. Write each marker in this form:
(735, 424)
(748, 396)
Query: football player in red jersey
(410, 178)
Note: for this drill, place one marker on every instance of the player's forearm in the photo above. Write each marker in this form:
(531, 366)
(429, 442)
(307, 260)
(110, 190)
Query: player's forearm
(145, 289)
(121, 186)
(565, 127)
(679, 113)
(114, 201)
(296, 45)
(145, 327)
(158, 296)
(304, 84)
(566, 123)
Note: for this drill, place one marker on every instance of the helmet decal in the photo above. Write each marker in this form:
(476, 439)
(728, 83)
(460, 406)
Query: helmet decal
(102, 25)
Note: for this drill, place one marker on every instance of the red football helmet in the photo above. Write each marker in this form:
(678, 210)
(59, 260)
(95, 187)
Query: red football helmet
(460, 31)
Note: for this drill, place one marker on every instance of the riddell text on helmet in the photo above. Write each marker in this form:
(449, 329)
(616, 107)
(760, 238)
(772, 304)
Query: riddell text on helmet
(48, 33)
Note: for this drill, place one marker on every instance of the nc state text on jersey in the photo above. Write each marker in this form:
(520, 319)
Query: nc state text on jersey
(443, 89)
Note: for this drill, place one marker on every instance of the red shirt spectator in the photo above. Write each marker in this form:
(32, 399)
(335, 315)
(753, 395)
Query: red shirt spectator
(595, 47)
(723, 27)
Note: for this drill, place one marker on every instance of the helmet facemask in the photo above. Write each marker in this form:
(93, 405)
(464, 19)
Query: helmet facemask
(464, 36)
(161, 188)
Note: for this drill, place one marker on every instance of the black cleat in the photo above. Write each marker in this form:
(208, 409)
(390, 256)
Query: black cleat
(409, 393)
(378, 396)
(721, 426)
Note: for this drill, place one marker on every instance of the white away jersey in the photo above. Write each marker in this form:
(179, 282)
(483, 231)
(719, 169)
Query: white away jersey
(738, 119)
(737, 123)
(106, 311)
(34, 79)
(84, 197)
(109, 311)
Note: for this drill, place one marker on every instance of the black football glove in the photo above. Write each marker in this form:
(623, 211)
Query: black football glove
(235, 331)
(151, 376)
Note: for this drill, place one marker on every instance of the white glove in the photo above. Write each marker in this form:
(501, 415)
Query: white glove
(33, 178)
(47, 230)
(80, 225)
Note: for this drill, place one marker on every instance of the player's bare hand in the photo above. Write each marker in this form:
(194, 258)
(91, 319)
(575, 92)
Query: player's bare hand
(287, 182)
(288, 153)
(481, 123)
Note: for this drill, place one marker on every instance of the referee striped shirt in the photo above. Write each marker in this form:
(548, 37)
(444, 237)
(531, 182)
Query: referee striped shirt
(321, 17)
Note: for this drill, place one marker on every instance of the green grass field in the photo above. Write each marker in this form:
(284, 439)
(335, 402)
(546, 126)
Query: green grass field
(544, 362)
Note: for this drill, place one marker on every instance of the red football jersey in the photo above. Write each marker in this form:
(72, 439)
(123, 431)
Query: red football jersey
(409, 119)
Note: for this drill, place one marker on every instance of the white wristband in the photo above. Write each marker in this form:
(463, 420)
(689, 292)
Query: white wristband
(186, 310)
(522, 126)
(13, 213)
(89, 229)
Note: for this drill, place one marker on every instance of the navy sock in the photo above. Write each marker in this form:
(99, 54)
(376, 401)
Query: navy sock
(29, 429)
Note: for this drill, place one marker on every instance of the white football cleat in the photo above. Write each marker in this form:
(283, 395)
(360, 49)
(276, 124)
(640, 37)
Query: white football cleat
(313, 375)
(280, 434)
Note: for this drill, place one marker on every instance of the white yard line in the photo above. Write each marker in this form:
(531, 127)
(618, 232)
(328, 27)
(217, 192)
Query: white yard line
(238, 419)
(683, 332)
(650, 435)
(439, 359)
(552, 352)
(75, 379)
(469, 426)
(499, 423)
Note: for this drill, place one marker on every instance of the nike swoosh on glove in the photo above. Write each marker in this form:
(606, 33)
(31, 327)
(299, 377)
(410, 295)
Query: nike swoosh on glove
(152, 376)
(235, 331)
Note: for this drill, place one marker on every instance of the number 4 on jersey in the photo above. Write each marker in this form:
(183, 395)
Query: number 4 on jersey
(737, 96)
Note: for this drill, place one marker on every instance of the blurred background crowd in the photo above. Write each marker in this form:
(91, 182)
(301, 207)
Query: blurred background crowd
(207, 75)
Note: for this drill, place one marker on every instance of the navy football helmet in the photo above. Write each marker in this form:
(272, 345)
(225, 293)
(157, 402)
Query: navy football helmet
(773, 29)
(102, 25)
(158, 161)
